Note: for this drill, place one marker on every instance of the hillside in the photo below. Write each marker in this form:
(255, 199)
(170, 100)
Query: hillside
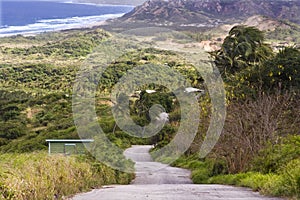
(112, 2)
(36, 78)
(278, 32)
(261, 132)
(202, 13)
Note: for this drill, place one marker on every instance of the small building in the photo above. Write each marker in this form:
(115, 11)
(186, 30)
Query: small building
(67, 146)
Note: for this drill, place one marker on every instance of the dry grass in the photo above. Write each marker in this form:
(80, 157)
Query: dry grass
(39, 176)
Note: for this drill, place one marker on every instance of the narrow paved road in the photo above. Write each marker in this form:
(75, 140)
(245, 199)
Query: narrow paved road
(156, 181)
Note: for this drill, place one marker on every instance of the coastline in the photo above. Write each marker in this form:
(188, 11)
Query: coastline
(79, 26)
(88, 26)
(81, 21)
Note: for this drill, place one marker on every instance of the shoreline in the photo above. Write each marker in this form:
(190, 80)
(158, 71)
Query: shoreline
(75, 27)
(62, 23)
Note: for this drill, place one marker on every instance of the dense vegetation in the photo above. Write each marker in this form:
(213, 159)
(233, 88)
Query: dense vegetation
(37, 74)
(259, 146)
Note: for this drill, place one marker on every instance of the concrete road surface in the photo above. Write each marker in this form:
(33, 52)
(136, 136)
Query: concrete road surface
(156, 181)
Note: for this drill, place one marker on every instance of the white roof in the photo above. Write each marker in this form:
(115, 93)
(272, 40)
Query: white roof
(150, 91)
(191, 89)
(69, 140)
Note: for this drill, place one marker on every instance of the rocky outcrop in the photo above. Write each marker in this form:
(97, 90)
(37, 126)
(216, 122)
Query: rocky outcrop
(217, 11)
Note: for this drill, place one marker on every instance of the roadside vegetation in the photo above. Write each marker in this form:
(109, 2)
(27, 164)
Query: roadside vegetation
(273, 172)
(36, 79)
(260, 143)
(259, 146)
(39, 176)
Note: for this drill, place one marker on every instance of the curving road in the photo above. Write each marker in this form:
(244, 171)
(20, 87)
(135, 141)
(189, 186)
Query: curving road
(156, 181)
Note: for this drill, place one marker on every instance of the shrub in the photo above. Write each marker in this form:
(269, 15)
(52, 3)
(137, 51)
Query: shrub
(200, 175)
(273, 186)
(291, 178)
(277, 156)
(256, 181)
(286, 183)
(230, 179)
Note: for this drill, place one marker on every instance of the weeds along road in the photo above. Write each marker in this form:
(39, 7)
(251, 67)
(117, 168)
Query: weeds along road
(156, 181)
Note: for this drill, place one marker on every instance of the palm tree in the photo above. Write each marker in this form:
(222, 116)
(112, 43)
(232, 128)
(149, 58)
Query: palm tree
(243, 47)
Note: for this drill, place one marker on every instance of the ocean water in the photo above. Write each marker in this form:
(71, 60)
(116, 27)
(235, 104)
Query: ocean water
(31, 17)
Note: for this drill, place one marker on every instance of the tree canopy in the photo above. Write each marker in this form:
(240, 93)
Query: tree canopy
(250, 66)
(243, 47)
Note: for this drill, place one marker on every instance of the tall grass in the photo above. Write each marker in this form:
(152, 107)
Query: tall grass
(284, 183)
(39, 176)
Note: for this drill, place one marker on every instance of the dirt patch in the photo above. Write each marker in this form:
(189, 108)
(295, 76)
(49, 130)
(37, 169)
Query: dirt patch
(31, 112)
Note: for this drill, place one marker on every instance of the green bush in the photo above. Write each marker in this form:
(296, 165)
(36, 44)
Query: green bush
(256, 181)
(277, 156)
(286, 183)
(195, 164)
(291, 178)
(200, 175)
(230, 179)
(274, 186)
